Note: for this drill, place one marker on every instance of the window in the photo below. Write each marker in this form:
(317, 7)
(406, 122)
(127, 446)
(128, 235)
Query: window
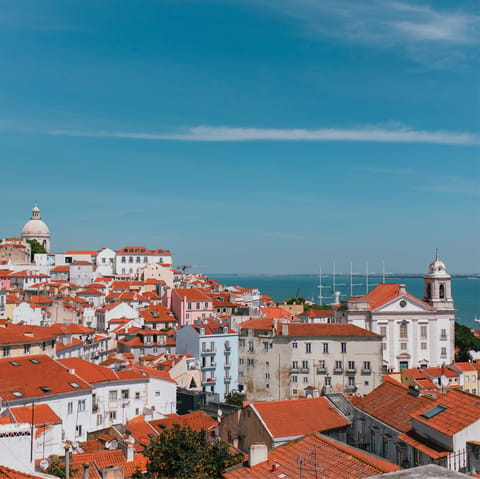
(305, 364)
(366, 365)
(70, 408)
(305, 379)
(74, 385)
(308, 347)
(328, 381)
(250, 347)
(99, 419)
(241, 361)
(423, 332)
(125, 393)
(321, 363)
(198, 305)
(81, 405)
(44, 346)
(443, 353)
(267, 375)
(206, 305)
(137, 395)
(403, 330)
(434, 411)
(423, 346)
(294, 364)
(265, 346)
(467, 379)
(294, 345)
(123, 259)
(403, 346)
(344, 347)
(443, 335)
(157, 393)
(112, 395)
(294, 392)
(325, 347)
(294, 379)
(442, 291)
(338, 364)
(78, 429)
(267, 386)
(113, 415)
(6, 351)
(17, 394)
(241, 343)
(250, 362)
(383, 331)
(189, 305)
(26, 349)
(351, 365)
(351, 381)
(385, 447)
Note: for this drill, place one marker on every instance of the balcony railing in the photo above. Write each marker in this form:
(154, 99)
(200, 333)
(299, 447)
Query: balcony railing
(304, 370)
(337, 370)
(209, 381)
(366, 371)
(208, 351)
(351, 370)
(321, 370)
(350, 389)
(294, 370)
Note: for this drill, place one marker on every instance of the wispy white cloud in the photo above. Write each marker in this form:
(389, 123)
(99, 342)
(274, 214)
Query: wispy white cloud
(398, 134)
(452, 185)
(424, 33)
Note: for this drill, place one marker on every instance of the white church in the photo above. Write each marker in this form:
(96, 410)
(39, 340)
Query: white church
(416, 333)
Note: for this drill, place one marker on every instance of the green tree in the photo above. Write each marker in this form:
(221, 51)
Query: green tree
(182, 453)
(465, 341)
(235, 398)
(295, 300)
(57, 468)
(36, 247)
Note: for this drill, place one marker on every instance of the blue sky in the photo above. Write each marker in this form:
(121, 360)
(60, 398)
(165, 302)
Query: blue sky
(246, 136)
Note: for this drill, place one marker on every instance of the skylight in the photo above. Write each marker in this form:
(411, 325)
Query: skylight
(14, 363)
(34, 361)
(74, 385)
(45, 389)
(434, 411)
(17, 394)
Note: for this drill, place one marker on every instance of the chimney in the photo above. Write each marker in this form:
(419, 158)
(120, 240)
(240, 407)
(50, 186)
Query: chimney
(85, 470)
(257, 453)
(402, 289)
(130, 452)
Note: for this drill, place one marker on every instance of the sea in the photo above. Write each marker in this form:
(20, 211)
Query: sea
(465, 289)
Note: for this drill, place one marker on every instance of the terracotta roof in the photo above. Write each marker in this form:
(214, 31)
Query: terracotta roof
(325, 330)
(11, 333)
(429, 448)
(93, 373)
(261, 324)
(392, 403)
(275, 312)
(192, 294)
(212, 327)
(36, 376)
(42, 414)
(60, 269)
(195, 420)
(455, 411)
(298, 417)
(323, 457)
(383, 293)
(465, 366)
(317, 313)
(8, 473)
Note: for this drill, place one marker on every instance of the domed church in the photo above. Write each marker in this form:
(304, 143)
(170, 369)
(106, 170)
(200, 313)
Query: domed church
(36, 229)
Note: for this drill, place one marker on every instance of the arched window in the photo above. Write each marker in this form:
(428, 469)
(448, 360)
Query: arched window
(442, 291)
(429, 291)
(403, 330)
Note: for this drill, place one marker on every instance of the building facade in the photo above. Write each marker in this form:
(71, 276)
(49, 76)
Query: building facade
(287, 360)
(417, 333)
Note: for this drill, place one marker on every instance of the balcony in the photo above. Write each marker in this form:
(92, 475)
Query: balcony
(350, 389)
(351, 370)
(366, 371)
(304, 370)
(337, 370)
(208, 352)
(209, 367)
(209, 381)
(321, 370)
(294, 370)
(228, 379)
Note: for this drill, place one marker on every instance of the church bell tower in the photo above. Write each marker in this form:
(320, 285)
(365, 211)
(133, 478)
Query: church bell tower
(438, 286)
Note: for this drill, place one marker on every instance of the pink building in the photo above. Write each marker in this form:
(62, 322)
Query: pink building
(190, 305)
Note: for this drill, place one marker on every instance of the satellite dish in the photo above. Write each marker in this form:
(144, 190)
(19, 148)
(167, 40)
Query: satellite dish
(44, 464)
(219, 412)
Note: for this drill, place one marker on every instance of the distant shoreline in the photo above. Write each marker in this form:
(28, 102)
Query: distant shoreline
(329, 275)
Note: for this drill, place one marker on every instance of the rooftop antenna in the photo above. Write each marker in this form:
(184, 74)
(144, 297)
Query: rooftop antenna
(336, 294)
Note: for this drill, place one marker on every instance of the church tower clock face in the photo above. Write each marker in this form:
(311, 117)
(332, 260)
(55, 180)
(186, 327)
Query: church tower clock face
(403, 303)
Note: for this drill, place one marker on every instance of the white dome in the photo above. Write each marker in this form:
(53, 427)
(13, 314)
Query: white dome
(35, 228)
(437, 268)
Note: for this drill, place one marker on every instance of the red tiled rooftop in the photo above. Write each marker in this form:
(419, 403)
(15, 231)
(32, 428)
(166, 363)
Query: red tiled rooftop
(42, 414)
(325, 330)
(261, 324)
(392, 403)
(192, 294)
(298, 417)
(323, 457)
(461, 410)
(195, 420)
